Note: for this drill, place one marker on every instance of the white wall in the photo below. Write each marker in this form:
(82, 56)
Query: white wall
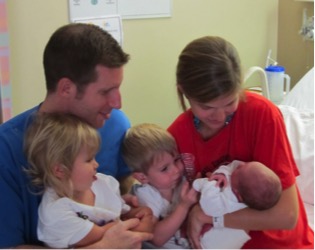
(148, 90)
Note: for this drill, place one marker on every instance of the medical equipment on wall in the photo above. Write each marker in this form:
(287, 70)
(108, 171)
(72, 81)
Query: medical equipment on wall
(307, 29)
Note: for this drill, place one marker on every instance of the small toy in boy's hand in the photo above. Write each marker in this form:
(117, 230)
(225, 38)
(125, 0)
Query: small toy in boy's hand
(189, 166)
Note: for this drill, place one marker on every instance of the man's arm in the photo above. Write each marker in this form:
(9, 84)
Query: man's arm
(121, 236)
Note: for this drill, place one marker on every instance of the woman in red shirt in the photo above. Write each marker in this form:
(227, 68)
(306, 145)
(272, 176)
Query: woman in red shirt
(225, 123)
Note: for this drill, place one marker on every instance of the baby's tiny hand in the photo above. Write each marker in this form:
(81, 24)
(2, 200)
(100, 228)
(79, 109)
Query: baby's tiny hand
(220, 178)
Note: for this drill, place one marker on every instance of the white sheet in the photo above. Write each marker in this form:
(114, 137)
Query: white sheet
(302, 94)
(310, 214)
(300, 130)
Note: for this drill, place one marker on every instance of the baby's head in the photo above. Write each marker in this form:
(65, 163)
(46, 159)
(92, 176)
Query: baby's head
(144, 143)
(256, 185)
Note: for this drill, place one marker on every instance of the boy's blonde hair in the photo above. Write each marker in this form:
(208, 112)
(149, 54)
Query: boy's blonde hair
(145, 142)
(56, 139)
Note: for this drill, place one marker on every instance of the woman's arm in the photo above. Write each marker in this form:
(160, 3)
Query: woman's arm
(283, 215)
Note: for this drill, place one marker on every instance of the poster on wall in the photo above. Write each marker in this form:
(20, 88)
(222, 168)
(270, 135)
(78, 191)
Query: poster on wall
(137, 9)
(112, 24)
(127, 9)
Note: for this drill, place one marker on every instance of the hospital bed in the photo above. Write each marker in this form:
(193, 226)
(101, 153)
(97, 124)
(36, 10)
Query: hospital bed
(298, 113)
(297, 108)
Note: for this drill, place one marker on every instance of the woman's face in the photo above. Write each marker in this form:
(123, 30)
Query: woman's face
(213, 114)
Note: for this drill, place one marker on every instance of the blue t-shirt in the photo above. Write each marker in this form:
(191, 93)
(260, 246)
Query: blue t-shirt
(18, 202)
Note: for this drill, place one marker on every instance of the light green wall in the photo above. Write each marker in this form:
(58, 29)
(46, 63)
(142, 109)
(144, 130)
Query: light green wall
(148, 90)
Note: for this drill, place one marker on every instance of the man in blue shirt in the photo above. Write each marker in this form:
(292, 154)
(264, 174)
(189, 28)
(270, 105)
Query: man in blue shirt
(84, 70)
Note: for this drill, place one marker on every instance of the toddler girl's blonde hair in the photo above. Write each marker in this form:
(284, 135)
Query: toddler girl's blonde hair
(53, 139)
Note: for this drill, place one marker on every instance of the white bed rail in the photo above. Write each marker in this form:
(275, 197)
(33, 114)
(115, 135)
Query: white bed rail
(263, 78)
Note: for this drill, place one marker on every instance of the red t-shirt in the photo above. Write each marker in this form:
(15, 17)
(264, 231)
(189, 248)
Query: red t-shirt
(255, 133)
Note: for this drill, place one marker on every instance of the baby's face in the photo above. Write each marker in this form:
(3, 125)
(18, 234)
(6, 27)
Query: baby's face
(236, 176)
(239, 175)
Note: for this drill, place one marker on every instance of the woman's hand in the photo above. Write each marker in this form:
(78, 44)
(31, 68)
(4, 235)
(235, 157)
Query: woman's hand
(197, 219)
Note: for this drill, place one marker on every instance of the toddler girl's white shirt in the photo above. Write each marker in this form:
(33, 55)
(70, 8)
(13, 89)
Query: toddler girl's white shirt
(63, 222)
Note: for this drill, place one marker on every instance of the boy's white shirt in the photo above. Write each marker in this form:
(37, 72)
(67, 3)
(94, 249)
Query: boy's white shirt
(149, 196)
(63, 222)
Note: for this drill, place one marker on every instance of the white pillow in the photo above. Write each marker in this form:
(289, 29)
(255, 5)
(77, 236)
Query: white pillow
(300, 130)
(301, 95)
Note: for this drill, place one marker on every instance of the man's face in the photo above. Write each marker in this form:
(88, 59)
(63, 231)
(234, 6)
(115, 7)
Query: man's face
(99, 97)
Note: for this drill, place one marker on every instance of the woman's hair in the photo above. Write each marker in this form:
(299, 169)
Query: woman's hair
(144, 143)
(207, 68)
(74, 51)
(56, 139)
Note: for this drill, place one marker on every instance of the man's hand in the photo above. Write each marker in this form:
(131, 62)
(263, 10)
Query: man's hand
(121, 236)
(145, 215)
